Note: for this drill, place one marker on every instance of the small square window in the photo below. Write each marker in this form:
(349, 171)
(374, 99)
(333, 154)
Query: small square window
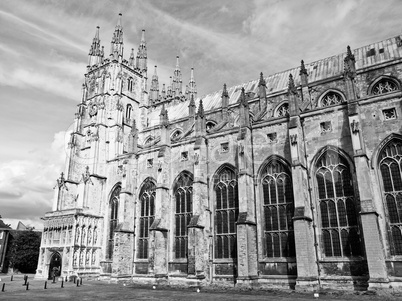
(150, 163)
(184, 156)
(326, 126)
(381, 50)
(225, 147)
(371, 52)
(389, 114)
(272, 137)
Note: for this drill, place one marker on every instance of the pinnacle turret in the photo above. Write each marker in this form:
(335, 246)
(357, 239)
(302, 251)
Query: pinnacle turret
(262, 87)
(116, 49)
(142, 55)
(303, 74)
(95, 52)
(349, 64)
(200, 112)
(192, 87)
(225, 97)
(164, 119)
(291, 85)
(154, 87)
(177, 82)
(131, 61)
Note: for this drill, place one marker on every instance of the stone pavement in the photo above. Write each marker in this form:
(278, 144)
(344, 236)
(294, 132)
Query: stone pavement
(103, 290)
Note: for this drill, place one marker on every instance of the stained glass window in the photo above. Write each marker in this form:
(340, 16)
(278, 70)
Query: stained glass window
(113, 210)
(331, 98)
(278, 208)
(390, 160)
(385, 85)
(283, 110)
(226, 213)
(183, 192)
(147, 214)
(337, 206)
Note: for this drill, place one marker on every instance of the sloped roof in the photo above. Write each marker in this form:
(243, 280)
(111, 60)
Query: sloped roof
(318, 70)
(3, 225)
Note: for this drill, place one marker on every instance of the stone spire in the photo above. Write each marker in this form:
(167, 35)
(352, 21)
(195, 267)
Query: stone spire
(200, 124)
(349, 64)
(95, 52)
(154, 86)
(131, 61)
(116, 49)
(303, 74)
(200, 112)
(262, 88)
(164, 119)
(293, 97)
(192, 87)
(142, 55)
(225, 97)
(191, 106)
(169, 88)
(177, 82)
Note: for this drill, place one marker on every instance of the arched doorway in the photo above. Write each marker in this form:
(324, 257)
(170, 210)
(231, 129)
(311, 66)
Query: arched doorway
(55, 265)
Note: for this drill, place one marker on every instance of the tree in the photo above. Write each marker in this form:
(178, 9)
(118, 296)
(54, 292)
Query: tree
(23, 251)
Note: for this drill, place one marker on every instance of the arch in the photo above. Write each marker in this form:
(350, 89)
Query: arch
(183, 211)
(383, 84)
(379, 148)
(175, 134)
(334, 148)
(114, 200)
(149, 140)
(389, 167)
(55, 265)
(129, 110)
(331, 97)
(226, 212)
(277, 204)
(146, 215)
(337, 206)
(282, 109)
(210, 124)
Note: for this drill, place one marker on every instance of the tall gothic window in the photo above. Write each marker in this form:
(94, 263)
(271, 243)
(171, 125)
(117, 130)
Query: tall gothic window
(129, 110)
(390, 163)
(147, 213)
(226, 213)
(183, 193)
(337, 206)
(331, 98)
(384, 85)
(278, 207)
(113, 210)
(283, 110)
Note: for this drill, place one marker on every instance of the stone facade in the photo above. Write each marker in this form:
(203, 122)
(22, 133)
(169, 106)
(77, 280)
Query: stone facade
(292, 180)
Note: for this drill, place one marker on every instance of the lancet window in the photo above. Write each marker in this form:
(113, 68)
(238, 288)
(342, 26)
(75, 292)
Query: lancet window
(113, 211)
(147, 215)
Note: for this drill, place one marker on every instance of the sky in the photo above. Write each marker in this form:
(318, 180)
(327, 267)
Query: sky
(44, 52)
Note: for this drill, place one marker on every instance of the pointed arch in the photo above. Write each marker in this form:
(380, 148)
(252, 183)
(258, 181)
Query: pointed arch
(337, 206)
(331, 97)
(183, 198)
(389, 167)
(114, 199)
(146, 215)
(225, 188)
(384, 84)
(277, 204)
(380, 147)
(282, 109)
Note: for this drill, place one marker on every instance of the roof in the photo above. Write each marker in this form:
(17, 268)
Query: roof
(326, 68)
(3, 226)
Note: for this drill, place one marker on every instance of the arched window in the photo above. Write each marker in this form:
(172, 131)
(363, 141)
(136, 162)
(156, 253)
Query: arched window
(282, 111)
(226, 213)
(176, 134)
(390, 165)
(130, 84)
(337, 206)
(278, 208)
(384, 85)
(147, 214)
(129, 110)
(149, 140)
(331, 98)
(183, 193)
(210, 125)
(113, 211)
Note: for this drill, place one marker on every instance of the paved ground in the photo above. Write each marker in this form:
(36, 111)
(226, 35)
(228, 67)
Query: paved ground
(100, 290)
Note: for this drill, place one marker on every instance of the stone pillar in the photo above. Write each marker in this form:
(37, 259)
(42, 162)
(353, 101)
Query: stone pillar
(306, 259)
(198, 228)
(375, 251)
(247, 259)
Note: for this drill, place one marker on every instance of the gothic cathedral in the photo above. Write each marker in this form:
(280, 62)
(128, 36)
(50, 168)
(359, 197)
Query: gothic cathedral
(292, 180)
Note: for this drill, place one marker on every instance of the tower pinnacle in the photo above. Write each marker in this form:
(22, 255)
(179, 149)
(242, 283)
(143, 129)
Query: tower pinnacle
(142, 54)
(95, 52)
(116, 49)
(177, 82)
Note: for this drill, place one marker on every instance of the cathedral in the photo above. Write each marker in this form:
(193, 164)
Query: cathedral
(292, 180)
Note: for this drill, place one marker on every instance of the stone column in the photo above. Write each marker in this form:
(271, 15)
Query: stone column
(375, 251)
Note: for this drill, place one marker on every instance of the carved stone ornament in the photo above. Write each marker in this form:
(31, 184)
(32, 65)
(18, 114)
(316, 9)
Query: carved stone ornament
(241, 149)
(293, 139)
(61, 182)
(355, 127)
(86, 177)
(93, 109)
(196, 158)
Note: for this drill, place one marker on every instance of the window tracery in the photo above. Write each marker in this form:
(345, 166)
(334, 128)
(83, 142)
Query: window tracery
(390, 164)
(283, 110)
(226, 214)
(183, 192)
(383, 86)
(337, 206)
(278, 210)
(113, 209)
(331, 98)
(147, 215)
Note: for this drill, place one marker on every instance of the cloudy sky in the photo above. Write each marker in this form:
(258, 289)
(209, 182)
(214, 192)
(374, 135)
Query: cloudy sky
(44, 47)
